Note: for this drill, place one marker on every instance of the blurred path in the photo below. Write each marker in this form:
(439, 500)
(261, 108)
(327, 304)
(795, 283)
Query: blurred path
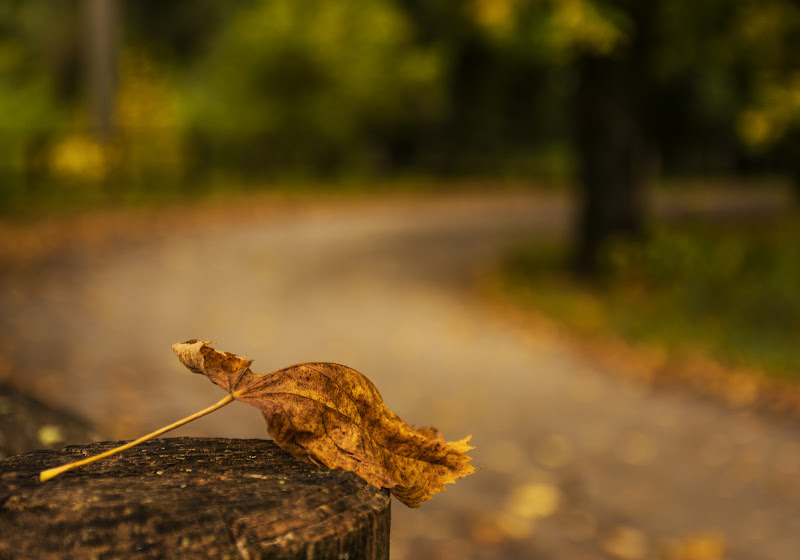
(576, 464)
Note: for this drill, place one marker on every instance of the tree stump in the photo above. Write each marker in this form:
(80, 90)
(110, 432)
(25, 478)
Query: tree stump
(189, 498)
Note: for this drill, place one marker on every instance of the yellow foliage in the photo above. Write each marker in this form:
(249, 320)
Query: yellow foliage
(145, 99)
(579, 23)
(492, 14)
(148, 117)
(777, 110)
(79, 157)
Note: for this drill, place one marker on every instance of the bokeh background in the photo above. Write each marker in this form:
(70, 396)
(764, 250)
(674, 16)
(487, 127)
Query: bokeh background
(568, 227)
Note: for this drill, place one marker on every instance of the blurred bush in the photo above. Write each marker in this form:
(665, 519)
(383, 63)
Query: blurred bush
(735, 289)
(729, 291)
(290, 83)
(30, 100)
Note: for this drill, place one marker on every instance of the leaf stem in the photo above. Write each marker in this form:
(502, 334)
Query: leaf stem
(54, 472)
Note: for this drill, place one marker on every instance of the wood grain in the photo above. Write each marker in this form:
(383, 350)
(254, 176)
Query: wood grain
(189, 498)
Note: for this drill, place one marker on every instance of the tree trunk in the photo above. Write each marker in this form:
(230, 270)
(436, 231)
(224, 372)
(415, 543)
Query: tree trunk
(186, 497)
(610, 141)
(101, 53)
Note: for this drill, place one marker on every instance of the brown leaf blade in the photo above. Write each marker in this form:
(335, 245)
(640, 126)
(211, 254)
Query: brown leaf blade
(332, 415)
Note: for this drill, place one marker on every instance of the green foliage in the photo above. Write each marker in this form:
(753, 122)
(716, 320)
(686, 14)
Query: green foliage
(31, 110)
(730, 291)
(296, 81)
(738, 66)
(321, 89)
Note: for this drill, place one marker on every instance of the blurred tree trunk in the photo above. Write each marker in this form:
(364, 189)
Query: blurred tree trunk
(101, 64)
(610, 158)
(794, 163)
(610, 141)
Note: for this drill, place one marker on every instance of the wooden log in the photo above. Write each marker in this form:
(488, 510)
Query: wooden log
(189, 498)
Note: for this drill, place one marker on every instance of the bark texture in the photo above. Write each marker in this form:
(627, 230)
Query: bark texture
(189, 498)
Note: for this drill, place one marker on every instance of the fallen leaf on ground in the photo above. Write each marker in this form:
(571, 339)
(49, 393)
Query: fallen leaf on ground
(331, 415)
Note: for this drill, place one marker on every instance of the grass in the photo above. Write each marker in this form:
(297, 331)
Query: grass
(731, 292)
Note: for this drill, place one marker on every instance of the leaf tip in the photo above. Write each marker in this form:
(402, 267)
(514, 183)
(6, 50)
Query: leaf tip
(461, 445)
(189, 353)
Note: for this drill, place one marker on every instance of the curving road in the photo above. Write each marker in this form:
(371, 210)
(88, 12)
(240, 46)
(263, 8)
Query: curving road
(576, 464)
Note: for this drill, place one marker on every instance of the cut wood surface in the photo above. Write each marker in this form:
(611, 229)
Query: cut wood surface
(189, 498)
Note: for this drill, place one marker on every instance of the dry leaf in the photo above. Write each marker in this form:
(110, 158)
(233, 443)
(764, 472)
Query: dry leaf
(332, 415)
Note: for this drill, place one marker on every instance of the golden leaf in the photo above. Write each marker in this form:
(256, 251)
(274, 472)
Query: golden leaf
(332, 415)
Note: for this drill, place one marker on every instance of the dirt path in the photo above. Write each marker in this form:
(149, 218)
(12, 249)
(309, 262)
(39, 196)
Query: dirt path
(576, 464)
